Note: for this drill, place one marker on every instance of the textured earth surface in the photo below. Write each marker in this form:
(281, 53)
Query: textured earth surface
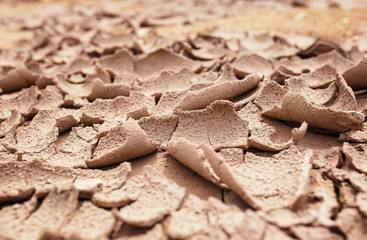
(183, 120)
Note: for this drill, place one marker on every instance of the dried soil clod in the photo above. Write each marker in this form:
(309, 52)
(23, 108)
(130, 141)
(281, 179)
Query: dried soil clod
(122, 143)
(222, 89)
(355, 159)
(87, 221)
(259, 181)
(253, 63)
(355, 76)
(218, 125)
(158, 198)
(11, 123)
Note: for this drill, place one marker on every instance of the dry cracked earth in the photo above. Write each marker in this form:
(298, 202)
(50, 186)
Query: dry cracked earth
(156, 120)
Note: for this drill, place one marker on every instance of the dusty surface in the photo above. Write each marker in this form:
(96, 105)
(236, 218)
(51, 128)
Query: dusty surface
(183, 120)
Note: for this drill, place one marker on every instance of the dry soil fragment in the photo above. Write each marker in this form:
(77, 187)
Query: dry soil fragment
(254, 63)
(356, 76)
(298, 106)
(261, 181)
(50, 99)
(11, 123)
(269, 134)
(20, 77)
(356, 159)
(89, 222)
(352, 224)
(107, 90)
(155, 232)
(122, 143)
(49, 218)
(321, 77)
(20, 180)
(274, 233)
(158, 198)
(359, 136)
(136, 106)
(193, 157)
(225, 87)
(154, 63)
(218, 125)
(119, 63)
(317, 233)
(285, 218)
(167, 103)
(120, 196)
(320, 46)
(159, 129)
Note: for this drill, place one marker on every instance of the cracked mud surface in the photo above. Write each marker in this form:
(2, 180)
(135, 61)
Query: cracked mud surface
(181, 120)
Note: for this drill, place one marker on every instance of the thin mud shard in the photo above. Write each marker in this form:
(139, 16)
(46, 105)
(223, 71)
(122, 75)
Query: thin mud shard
(27, 221)
(260, 181)
(288, 104)
(218, 125)
(225, 87)
(355, 76)
(158, 198)
(122, 143)
(269, 134)
(21, 180)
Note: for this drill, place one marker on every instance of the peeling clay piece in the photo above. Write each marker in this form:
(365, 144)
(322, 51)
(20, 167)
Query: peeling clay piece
(18, 78)
(159, 129)
(50, 217)
(136, 104)
(355, 76)
(359, 136)
(355, 159)
(317, 233)
(105, 90)
(154, 63)
(38, 178)
(320, 46)
(119, 63)
(11, 123)
(159, 198)
(87, 221)
(321, 77)
(254, 63)
(269, 134)
(221, 90)
(295, 107)
(218, 125)
(122, 143)
(259, 181)
(193, 157)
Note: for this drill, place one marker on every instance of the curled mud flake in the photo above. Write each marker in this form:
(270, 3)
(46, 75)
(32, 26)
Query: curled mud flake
(50, 99)
(345, 100)
(295, 108)
(122, 143)
(347, 195)
(352, 224)
(87, 221)
(320, 46)
(321, 77)
(317, 233)
(156, 232)
(210, 53)
(119, 108)
(193, 157)
(119, 63)
(224, 88)
(254, 63)
(218, 125)
(52, 213)
(355, 159)
(118, 197)
(167, 103)
(359, 136)
(259, 181)
(278, 50)
(154, 63)
(81, 66)
(285, 218)
(107, 90)
(169, 82)
(274, 233)
(282, 73)
(11, 216)
(159, 129)
(11, 123)
(268, 134)
(189, 220)
(109, 42)
(158, 198)
(355, 76)
(18, 78)
(74, 102)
